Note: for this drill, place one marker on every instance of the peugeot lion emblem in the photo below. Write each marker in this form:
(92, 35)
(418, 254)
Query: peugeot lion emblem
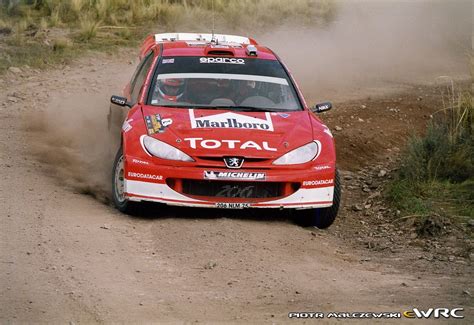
(233, 162)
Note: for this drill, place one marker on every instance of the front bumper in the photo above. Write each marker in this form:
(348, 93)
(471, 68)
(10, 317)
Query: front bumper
(146, 182)
(302, 198)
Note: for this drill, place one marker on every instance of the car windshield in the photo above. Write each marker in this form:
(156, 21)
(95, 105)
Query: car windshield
(223, 82)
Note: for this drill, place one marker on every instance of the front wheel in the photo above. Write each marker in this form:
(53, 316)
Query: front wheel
(118, 185)
(323, 217)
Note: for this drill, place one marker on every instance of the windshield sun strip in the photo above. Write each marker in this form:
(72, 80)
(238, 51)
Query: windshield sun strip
(280, 81)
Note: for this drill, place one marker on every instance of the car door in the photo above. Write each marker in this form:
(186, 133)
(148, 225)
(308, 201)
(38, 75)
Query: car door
(117, 114)
(139, 78)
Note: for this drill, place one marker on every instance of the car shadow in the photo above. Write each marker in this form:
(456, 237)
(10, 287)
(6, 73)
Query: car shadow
(153, 211)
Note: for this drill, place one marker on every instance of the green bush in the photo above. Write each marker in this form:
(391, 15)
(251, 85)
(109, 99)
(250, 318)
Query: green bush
(446, 152)
(434, 156)
(437, 169)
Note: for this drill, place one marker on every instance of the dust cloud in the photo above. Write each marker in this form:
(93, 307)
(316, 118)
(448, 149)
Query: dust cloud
(72, 140)
(374, 46)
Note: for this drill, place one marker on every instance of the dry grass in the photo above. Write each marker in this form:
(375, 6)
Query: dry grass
(61, 44)
(458, 112)
(248, 13)
(88, 28)
(103, 24)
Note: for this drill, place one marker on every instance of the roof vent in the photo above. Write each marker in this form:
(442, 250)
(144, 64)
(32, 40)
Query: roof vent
(251, 50)
(213, 49)
(220, 52)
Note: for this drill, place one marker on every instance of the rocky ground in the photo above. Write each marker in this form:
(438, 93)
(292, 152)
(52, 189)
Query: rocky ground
(70, 257)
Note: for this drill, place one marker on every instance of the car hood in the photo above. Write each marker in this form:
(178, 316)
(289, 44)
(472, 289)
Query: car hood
(210, 132)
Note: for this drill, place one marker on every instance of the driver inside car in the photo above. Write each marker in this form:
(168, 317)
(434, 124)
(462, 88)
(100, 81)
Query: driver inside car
(170, 89)
(245, 89)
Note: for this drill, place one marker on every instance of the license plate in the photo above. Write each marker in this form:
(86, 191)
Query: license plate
(222, 205)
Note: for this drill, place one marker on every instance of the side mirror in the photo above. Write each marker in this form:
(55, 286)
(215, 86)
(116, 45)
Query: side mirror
(321, 107)
(120, 101)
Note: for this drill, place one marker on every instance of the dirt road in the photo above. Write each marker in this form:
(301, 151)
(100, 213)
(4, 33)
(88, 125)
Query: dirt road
(70, 257)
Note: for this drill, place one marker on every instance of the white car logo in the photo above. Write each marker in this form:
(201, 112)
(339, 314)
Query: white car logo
(233, 162)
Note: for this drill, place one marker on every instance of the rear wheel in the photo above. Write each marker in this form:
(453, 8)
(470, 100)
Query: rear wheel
(118, 185)
(323, 217)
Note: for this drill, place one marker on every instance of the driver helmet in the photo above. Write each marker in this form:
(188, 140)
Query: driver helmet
(171, 89)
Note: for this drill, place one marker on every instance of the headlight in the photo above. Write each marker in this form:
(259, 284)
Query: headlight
(300, 155)
(163, 150)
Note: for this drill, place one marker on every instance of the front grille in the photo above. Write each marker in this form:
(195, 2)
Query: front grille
(221, 159)
(229, 189)
(251, 163)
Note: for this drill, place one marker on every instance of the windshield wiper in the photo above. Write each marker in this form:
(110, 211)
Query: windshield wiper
(239, 108)
(259, 109)
(174, 106)
(195, 106)
(229, 107)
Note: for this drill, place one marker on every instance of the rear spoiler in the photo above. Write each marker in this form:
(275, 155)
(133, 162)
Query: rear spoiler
(220, 38)
(152, 40)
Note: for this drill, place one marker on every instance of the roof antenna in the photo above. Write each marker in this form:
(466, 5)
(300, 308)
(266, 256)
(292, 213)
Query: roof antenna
(213, 39)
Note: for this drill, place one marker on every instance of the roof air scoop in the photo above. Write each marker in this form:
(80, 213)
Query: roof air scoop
(251, 50)
(213, 49)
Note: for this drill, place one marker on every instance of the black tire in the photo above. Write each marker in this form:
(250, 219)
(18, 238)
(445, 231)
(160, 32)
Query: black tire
(121, 203)
(321, 218)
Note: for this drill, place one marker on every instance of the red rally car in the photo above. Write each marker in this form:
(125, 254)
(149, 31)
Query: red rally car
(212, 120)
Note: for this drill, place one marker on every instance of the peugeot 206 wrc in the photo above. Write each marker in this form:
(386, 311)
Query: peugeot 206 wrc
(218, 121)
